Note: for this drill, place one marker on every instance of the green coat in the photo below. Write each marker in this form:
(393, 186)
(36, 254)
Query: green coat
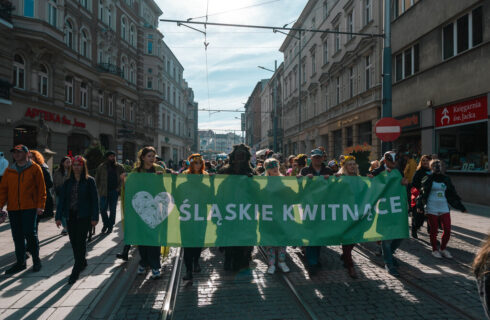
(101, 178)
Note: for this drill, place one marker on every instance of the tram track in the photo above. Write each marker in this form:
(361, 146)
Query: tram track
(371, 256)
(308, 311)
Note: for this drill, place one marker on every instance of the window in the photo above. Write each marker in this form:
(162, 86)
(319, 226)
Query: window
(42, 81)
(350, 25)
(400, 6)
(349, 132)
(85, 4)
(325, 10)
(101, 11)
(149, 82)
(69, 90)
(52, 13)
(313, 63)
(131, 112)
(337, 143)
(303, 72)
(123, 28)
(325, 52)
(69, 34)
(19, 72)
(337, 39)
(83, 95)
(368, 72)
(365, 134)
(337, 91)
(150, 47)
(123, 109)
(109, 17)
(407, 63)
(100, 56)
(84, 44)
(111, 106)
(124, 67)
(462, 34)
(29, 8)
(101, 102)
(131, 73)
(368, 12)
(327, 99)
(351, 82)
(131, 35)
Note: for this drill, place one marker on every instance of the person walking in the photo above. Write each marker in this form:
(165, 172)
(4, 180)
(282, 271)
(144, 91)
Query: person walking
(436, 194)
(38, 158)
(4, 163)
(192, 255)
(422, 171)
(23, 190)
(389, 246)
(150, 255)
(59, 177)
(108, 179)
(348, 168)
(79, 205)
(316, 168)
(272, 170)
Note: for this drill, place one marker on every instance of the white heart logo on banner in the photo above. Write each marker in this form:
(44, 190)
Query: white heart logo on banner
(153, 211)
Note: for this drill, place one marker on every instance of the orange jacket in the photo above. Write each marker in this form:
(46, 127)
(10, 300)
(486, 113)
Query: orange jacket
(23, 191)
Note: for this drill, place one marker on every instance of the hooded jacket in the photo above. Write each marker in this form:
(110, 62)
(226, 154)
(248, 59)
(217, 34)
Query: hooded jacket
(452, 197)
(23, 190)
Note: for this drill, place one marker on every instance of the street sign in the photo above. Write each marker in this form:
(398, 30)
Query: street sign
(388, 129)
(462, 112)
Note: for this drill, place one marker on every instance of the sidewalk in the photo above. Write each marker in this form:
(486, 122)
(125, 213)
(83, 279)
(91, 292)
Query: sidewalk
(46, 294)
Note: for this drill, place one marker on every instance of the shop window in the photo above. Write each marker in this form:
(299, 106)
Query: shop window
(77, 143)
(464, 148)
(19, 72)
(349, 132)
(105, 141)
(462, 34)
(129, 151)
(365, 133)
(337, 143)
(26, 135)
(42, 81)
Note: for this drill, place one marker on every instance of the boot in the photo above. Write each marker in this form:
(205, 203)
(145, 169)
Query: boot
(188, 275)
(197, 267)
(414, 232)
(124, 254)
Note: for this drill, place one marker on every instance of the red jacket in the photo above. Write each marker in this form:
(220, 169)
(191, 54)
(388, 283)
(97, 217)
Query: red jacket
(24, 190)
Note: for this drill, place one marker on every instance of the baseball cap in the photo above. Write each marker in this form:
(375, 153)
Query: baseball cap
(389, 156)
(316, 153)
(20, 147)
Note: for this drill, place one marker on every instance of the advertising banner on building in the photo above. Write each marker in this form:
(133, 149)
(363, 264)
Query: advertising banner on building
(223, 210)
(462, 112)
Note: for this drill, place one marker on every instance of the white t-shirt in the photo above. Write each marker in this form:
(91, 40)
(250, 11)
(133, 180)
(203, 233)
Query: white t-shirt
(437, 202)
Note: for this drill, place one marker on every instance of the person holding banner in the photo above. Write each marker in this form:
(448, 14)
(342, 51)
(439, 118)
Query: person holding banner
(348, 168)
(79, 205)
(316, 168)
(272, 169)
(436, 194)
(423, 170)
(150, 255)
(192, 255)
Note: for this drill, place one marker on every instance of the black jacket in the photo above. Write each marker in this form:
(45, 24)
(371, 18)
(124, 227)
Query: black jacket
(382, 168)
(452, 197)
(323, 171)
(418, 176)
(88, 199)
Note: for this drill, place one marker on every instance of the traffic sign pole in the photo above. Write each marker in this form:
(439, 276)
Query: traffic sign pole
(388, 129)
(387, 77)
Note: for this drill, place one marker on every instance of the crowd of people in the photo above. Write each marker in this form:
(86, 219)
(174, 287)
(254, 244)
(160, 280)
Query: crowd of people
(82, 199)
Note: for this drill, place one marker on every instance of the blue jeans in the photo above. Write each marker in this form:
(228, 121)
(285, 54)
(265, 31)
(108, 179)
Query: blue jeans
(312, 255)
(23, 224)
(389, 247)
(111, 202)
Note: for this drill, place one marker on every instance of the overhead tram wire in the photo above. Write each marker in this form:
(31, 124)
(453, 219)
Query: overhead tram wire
(233, 10)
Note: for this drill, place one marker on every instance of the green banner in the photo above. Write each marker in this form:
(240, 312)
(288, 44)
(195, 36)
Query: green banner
(224, 210)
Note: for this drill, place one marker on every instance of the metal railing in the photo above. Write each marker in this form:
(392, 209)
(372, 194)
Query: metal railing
(110, 68)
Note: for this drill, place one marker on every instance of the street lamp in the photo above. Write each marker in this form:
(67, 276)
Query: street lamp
(274, 104)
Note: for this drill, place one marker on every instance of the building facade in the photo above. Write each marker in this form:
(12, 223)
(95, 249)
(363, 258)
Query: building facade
(441, 87)
(84, 71)
(332, 81)
(253, 116)
(213, 143)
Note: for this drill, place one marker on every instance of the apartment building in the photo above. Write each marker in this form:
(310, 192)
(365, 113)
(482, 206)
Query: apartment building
(253, 116)
(84, 71)
(332, 81)
(441, 87)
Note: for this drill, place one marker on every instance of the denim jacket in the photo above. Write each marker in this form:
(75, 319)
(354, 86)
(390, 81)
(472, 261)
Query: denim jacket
(88, 199)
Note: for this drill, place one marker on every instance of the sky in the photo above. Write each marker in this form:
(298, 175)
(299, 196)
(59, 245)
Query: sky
(233, 54)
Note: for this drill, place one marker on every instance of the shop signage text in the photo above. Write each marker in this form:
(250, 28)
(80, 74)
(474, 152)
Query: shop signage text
(463, 112)
(409, 121)
(53, 117)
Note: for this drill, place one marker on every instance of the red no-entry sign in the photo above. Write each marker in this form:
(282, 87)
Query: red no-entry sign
(388, 129)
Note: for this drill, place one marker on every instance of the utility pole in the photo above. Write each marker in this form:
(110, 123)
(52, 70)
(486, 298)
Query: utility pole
(274, 105)
(387, 76)
(299, 85)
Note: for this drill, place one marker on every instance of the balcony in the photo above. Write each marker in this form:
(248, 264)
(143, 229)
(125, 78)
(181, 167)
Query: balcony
(6, 9)
(111, 74)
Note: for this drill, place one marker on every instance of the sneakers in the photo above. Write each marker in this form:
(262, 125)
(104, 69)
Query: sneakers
(283, 266)
(271, 270)
(15, 268)
(155, 273)
(446, 254)
(437, 254)
(141, 270)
